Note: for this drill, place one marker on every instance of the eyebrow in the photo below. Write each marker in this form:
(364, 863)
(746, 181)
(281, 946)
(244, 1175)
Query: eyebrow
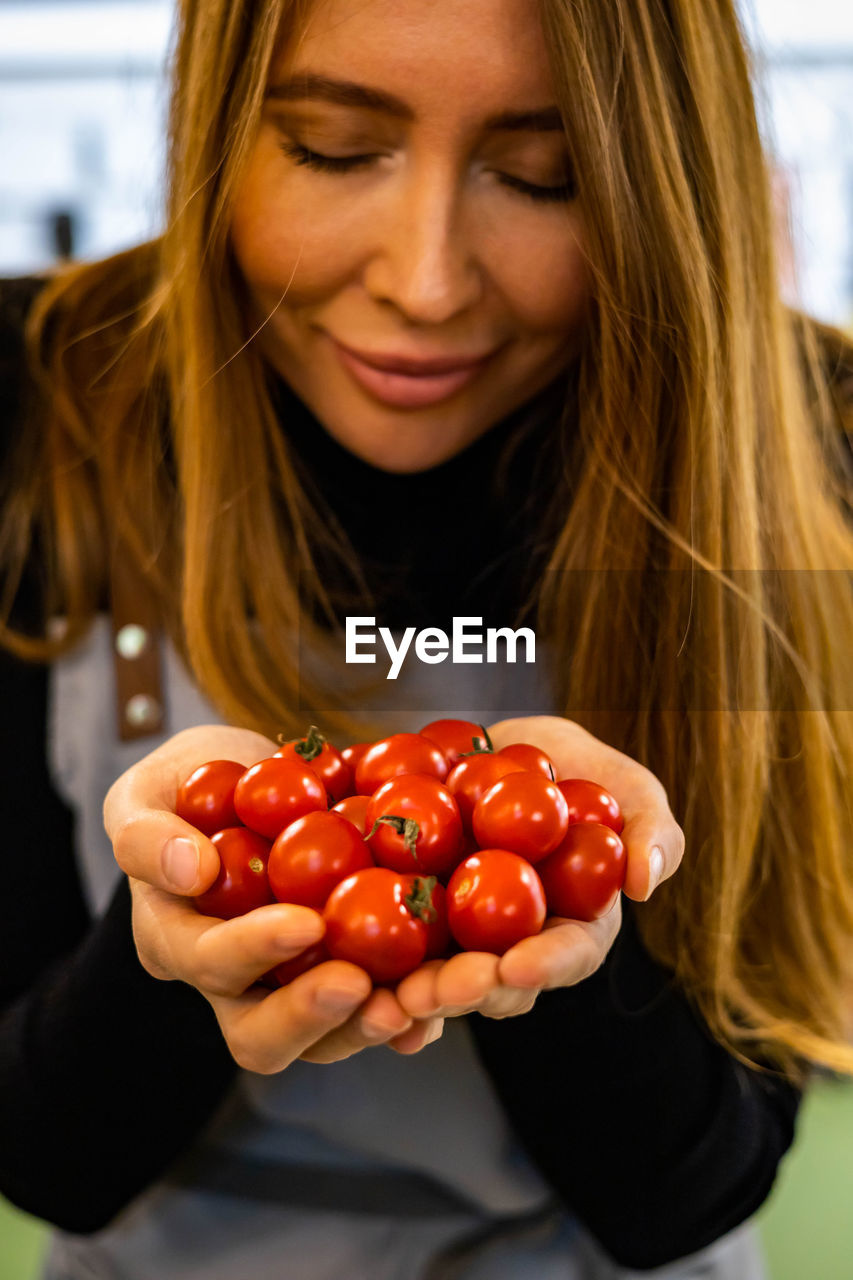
(346, 93)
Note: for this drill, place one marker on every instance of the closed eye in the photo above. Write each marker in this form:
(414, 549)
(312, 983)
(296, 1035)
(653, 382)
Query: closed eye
(349, 164)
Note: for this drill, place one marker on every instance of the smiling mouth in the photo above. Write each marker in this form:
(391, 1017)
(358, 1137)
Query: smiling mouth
(398, 386)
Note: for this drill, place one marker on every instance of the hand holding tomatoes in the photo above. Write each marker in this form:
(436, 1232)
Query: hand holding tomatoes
(482, 828)
(325, 1014)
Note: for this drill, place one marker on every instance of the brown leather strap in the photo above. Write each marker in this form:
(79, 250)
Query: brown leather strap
(137, 638)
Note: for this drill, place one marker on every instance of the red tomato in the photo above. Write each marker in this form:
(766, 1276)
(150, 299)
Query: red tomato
(530, 757)
(494, 899)
(352, 755)
(427, 838)
(321, 757)
(439, 940)
(523, 812)
(454, 737)
(470, 778)
(312, 855)
(285, 972)
(588, 802)
(354, 809)
(370, 923)
(206, 799)
(583, 876)
(275, 792)
(242, 883)
(401, 753)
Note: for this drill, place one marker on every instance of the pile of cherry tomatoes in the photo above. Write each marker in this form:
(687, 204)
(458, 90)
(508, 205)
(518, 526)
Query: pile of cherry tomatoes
(412, 847)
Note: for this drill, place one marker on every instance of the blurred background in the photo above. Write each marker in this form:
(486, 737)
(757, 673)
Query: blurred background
(82, 111)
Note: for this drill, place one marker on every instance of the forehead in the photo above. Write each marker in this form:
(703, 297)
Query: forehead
(428, 53)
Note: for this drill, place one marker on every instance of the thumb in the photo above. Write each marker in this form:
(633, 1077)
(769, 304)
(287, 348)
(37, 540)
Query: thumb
(158, 847)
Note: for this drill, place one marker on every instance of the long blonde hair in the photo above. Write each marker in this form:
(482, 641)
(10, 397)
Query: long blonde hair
(697, 572)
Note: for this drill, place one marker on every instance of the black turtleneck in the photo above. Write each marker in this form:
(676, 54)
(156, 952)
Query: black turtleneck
(463, 537)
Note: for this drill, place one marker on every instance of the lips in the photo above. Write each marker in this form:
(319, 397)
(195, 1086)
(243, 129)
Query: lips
(408, 383)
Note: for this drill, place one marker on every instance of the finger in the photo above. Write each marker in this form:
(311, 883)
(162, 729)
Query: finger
(459, 984)
(468, 983)
(565, 952)
(267, 1030)
(654, 844)
(416, 992)
(378, 1020)
(420, 1034)
(220, 957)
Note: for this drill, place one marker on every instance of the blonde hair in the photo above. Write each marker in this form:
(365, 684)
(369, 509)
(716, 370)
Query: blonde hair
(707, 529)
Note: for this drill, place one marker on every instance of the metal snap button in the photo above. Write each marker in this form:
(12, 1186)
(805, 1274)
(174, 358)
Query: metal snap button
(131, 640)
(142, 711)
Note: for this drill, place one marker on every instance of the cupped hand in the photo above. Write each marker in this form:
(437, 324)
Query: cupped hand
(324, 1015)
(566, 951)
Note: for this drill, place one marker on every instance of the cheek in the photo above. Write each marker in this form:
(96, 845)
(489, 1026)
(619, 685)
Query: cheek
(548, 281)
(280, 236)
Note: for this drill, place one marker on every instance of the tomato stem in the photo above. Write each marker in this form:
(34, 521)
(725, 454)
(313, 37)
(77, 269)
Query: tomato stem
(479, 749)
(311, 745)
(419, 901)
(408, 828)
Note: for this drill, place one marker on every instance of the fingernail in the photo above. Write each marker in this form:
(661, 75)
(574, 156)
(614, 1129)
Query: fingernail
(338, 999)
(180, 862)
(436, 1032)
(655, 870)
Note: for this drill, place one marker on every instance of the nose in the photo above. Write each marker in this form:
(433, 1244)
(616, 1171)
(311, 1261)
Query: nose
(422, 261)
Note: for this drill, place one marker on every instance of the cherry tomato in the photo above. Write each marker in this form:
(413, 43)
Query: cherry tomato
(323, 759)
(454, 737)
(401, 753)
(242, 883)
(313, 854)
(523, 812)
(275, 792)
(285, 972)
(354, 809)
(583, 876)
(206, 798)
(372, 920)
(352, 755)
(530, 757)
(431, 847)
(494, 899)
(588, 802)
(439, 941)
(473, 776)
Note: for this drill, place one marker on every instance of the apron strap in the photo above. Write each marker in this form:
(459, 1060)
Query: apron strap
(140, 706)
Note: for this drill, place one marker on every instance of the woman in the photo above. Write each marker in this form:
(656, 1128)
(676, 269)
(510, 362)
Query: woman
(635, 443)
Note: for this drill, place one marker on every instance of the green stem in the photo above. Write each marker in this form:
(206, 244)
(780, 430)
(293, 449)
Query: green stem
(408, 828)
(419, 901)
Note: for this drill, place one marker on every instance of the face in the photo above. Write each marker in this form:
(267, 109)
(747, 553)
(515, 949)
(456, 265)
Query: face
(414, 261)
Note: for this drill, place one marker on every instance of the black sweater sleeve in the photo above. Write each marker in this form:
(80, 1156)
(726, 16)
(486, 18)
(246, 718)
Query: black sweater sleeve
(658, 1138)
(106, 1074)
